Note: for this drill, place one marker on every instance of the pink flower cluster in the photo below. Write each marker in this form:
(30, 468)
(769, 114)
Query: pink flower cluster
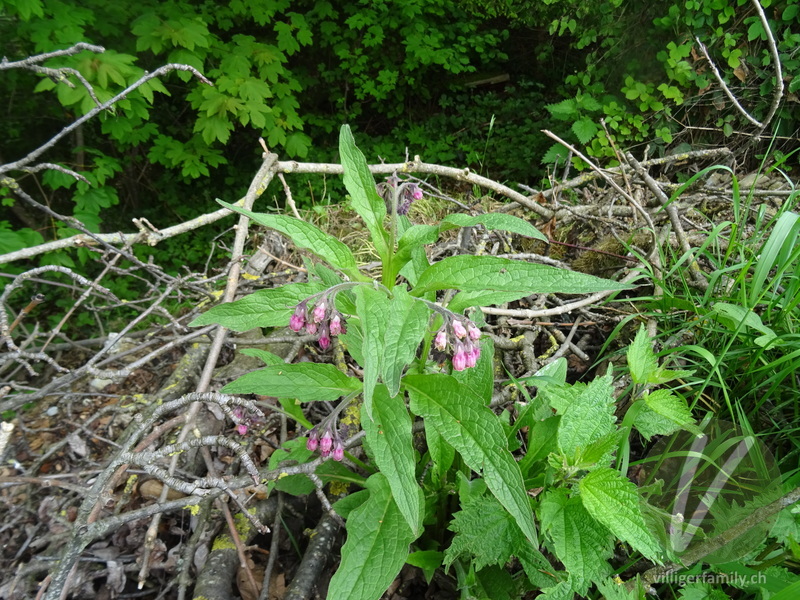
(329, 443)
(461, 336)
(323, 319)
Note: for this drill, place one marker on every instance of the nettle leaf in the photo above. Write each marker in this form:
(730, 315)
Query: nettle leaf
(649, 423)
(584, 129)
(484, 531)
(406, 324)
(376, 548)
(477, 273)
(581, 543)
(588, 418)
(389, 436)
(361, 186)
(473, 430)
(669, 406)
(372, 306)
(306, 235)
(641, 358)
(262, 308)
(304, 381)
(614, 502)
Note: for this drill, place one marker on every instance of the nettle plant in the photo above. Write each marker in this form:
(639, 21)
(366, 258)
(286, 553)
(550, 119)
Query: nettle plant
(438, 460)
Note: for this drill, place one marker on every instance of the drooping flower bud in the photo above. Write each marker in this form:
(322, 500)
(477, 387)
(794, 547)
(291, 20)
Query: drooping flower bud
(298, 319)
(326, 443)
(460, 357)
(417, 193)
(241, 429)
(336, 324)
(313, 441)
(319, 311)
(476, 352)
(311, 327)
(471, 359)
(458, 329)
(474, 332)
(440, 341)
(324, 337)
(338, 453)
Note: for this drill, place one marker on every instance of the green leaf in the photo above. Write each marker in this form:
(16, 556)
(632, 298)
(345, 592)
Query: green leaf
(420, 235)
(581, 543)
(427, 560)
(584, 129)
(474, 431)
(669, 406)
(268, 358)
(306, 235)
(376, 548)
(476, 273)
(484, 531)
(407, 321)
(613, 501)
(361, 186)
(304, 381)
(464, 300)
(411, 239)
(262, 308)
(372, 306)
(588, 418)
(389, 436)
(480, 378)
(350, 502)
(649, 423)
(294, 409)
(442, 454)
(641, 358)
(493, 221)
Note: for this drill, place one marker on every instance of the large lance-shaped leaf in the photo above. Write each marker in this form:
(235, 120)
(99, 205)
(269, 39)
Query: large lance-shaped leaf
(613, 500)
(492, 221)
(406, 324)
(420, 235)
(304, 381)
(376, 549)
(389, 436)
(463, 300)
(372, 306)
(361, 187)
(462, 419)
(474, 273)
(306, 235)
(262, 308)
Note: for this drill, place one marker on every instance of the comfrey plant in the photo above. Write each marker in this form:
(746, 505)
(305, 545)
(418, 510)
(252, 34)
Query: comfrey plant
(421, 364)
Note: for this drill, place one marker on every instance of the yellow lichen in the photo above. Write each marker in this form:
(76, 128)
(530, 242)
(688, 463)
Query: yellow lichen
(351, 416)
(130, 483)
(223, 542)
(339, 488)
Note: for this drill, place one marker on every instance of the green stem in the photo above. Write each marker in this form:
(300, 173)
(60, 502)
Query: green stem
(388, 275)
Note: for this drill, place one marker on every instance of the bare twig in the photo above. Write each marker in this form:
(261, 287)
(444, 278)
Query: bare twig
(725, 87)
(34, 154)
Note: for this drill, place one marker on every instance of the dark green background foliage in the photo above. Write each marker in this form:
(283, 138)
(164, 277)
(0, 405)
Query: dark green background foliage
(407, 74)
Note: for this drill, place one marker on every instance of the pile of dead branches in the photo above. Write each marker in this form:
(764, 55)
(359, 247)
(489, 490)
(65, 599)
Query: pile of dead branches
(127, 474)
